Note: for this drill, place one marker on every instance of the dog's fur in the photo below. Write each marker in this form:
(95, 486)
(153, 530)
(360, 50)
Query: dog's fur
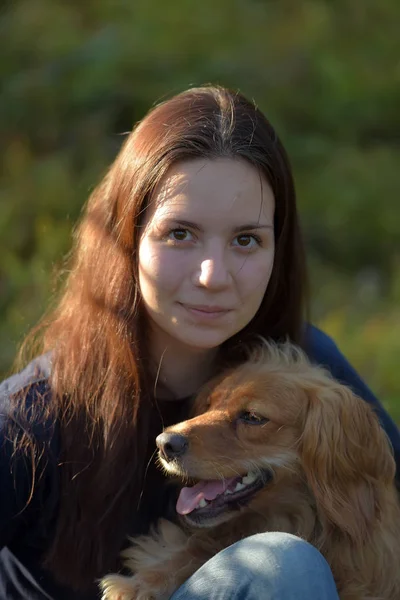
(333, 479)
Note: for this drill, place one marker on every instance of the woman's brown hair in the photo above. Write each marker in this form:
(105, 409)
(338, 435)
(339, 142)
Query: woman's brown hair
(99, 380)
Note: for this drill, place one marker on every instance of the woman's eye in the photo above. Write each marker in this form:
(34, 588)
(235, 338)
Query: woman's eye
(179, 235)
(247, 241)
(252, 418)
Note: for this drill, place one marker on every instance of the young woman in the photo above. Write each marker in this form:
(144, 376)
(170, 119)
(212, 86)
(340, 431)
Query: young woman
(188, 248)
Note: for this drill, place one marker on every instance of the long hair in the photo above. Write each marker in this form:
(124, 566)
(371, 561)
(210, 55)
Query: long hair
(99, 377)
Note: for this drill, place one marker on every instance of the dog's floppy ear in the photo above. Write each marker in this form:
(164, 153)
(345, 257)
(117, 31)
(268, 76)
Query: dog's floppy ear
(346, 458)
(201, 402)
(218, 386)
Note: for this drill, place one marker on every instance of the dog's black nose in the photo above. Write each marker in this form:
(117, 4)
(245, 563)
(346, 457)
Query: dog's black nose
(171, 445)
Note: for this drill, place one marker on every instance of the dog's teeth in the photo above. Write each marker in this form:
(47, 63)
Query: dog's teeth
(239, 486)
(250, 477)
(228, 491)
(202, 503)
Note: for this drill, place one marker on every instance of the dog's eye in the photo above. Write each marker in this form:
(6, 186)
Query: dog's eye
(252, 418)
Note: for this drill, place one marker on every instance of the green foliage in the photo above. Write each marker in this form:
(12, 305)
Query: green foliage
(76, 76)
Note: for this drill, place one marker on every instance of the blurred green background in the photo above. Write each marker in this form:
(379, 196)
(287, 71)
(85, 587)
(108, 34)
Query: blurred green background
(76, 75)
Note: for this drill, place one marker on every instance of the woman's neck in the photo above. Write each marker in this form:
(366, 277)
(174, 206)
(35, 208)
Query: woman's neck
(180, 372)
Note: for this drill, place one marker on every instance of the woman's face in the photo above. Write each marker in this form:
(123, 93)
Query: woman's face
(206, 252)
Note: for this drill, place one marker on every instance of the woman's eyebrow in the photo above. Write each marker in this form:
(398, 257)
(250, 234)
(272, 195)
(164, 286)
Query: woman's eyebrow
(238, 229)
(251, 226)
(185, 223)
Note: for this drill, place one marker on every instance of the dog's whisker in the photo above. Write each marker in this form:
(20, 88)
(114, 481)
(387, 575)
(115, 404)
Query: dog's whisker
(220, 475)
(255, 467)
(230, 465)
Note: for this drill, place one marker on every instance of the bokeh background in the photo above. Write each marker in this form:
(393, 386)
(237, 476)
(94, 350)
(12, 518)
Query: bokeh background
(77, 74)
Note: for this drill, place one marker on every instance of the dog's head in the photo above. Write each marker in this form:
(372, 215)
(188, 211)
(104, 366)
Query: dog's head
(278, 419)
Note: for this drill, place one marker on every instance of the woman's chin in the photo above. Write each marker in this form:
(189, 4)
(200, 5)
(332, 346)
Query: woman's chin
(202, 341)
(178, 334)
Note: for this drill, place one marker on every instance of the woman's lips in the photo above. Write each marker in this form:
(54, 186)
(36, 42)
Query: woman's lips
(206, 312)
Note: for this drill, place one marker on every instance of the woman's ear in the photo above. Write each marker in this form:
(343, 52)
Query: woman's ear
(347, 459)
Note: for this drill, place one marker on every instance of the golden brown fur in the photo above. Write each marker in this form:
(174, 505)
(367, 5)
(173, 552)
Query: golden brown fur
(333, 481)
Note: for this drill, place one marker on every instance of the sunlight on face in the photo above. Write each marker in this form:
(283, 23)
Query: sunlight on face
(206, 252)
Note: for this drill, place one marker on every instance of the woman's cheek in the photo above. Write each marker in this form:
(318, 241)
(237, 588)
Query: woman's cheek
(149, 264)
(163, 266)
(255, 274)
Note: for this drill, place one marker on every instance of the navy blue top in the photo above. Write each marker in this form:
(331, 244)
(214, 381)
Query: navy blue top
(26, 528)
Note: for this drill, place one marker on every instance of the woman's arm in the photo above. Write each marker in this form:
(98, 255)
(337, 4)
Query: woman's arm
(27, 475)
(322, 350)
(15, 485)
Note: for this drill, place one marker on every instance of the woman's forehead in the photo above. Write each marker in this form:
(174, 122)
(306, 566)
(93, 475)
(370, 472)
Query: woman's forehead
(214, 188)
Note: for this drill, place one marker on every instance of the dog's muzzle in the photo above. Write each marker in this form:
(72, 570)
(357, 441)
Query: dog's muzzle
(171, 445)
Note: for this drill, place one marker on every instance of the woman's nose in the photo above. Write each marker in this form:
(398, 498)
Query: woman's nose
(213, 274)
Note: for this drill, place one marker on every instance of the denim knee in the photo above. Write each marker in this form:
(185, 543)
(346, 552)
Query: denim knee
(284, 560)
(270, 566)
(285, 551)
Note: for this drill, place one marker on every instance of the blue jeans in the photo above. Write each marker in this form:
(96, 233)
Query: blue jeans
(266, 566)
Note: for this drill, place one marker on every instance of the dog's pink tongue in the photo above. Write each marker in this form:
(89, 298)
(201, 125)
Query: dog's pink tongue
(190, 497)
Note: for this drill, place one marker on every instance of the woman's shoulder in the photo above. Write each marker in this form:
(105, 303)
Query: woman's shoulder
(24, 397)
(38, 370)
(319, 345)
(322, 350)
